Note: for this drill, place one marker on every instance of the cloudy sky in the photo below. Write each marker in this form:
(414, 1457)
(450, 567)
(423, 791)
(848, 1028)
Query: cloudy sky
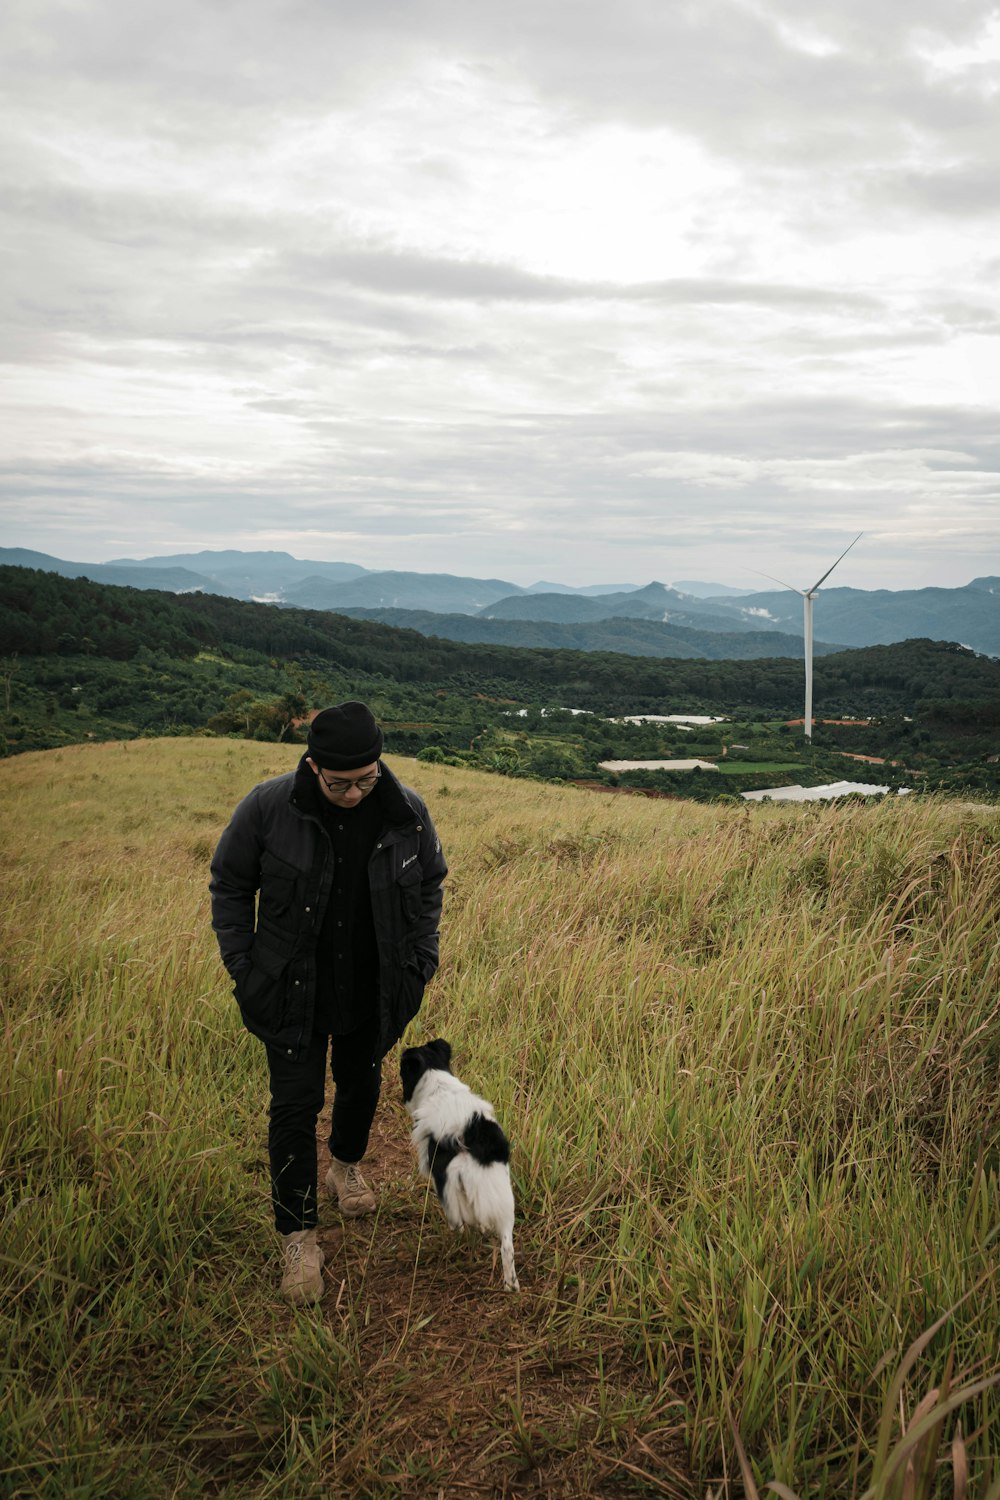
(556, 289)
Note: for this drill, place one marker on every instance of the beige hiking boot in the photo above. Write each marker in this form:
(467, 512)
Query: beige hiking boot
(303, 1277)
(345, 1183)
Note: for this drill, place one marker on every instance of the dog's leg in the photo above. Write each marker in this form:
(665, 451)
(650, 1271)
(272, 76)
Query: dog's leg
(510, 1280)
(423, 1157)
(453, 1196)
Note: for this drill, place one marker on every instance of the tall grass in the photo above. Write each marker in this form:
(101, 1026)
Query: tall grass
(749, 1058)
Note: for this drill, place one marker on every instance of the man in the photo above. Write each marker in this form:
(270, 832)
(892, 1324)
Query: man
(344, 868)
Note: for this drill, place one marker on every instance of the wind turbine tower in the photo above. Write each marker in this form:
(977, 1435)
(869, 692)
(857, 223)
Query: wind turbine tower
(808, 595)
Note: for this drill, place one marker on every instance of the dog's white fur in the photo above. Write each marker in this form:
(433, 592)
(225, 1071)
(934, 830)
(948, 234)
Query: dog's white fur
(474, 1193)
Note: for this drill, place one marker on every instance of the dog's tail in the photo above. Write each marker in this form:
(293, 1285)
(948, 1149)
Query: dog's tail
(485, 1141)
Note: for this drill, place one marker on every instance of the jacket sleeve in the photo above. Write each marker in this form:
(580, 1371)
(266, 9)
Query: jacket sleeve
(234, 884)
(435, 868)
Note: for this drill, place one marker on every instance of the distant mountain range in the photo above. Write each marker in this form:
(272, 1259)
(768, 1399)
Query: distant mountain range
(279, 578)
(633, 637)
(654, 602)
(644, 621)
(239, 575)
(434, 591)
(173, 580)
(855, 617)
(860, 617)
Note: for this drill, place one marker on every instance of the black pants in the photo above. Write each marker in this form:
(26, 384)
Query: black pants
(298, 1091)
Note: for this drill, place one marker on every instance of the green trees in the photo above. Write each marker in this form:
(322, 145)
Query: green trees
(43, 614)
(150, 663)
(260, 719)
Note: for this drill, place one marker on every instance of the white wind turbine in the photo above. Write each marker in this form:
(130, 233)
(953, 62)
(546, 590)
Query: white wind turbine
(808, 595)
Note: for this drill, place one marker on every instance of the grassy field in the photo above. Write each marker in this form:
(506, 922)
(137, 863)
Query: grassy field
(745, 767)
(749, 1058)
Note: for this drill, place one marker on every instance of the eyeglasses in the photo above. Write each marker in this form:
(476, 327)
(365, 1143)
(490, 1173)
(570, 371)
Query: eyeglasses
(363, 783)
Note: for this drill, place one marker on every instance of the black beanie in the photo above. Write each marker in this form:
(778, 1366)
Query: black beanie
(344, 738)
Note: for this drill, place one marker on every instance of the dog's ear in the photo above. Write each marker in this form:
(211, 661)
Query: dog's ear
(411, 1070)
(440, 1051)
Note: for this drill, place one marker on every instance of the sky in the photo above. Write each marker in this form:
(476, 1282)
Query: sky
(528, 289)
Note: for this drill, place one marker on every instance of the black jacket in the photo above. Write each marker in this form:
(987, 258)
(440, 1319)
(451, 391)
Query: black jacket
(276, 845)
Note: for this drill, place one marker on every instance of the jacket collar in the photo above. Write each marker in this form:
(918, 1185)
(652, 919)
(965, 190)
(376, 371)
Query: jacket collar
(396, 808)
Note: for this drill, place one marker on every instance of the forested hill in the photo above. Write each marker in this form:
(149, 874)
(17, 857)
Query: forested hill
(46, 616)
(634, 637)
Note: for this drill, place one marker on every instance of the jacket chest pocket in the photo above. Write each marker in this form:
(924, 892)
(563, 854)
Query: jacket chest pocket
(278, 882)
(408, 892)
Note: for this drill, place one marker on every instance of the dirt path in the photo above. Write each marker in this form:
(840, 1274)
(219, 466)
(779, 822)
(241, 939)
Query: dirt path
(472, 1392)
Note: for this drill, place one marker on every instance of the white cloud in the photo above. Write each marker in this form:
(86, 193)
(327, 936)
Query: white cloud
(447, 284)
(897, 472)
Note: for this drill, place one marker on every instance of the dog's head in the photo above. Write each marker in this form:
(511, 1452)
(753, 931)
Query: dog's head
(416, 1061)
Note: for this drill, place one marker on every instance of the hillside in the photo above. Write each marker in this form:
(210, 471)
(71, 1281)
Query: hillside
(42, 614)
(862, 617)
(654, 602)
(247, 575)
(443, 591)
(87, 661)
(561, 608)
(634, 637)
(746, 1057)
(856, 617)
(167, 577)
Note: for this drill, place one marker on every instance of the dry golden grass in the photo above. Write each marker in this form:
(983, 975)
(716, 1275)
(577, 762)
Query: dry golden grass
(749, 1060)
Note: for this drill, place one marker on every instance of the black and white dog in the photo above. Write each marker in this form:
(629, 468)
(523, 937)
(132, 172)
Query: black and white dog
(460, 1145)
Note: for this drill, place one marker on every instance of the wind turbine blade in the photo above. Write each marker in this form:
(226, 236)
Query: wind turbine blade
(778, 580)
(840, 559)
